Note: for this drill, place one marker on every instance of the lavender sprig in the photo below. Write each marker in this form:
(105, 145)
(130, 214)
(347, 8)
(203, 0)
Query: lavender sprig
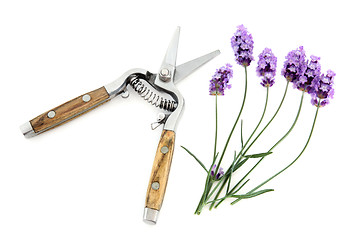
(311, 75)
(220, 80)
(266, 67)
(294, 65)
(323, 89)
(243, 45)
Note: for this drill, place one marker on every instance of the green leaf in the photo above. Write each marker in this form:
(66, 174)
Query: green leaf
(239, 164)
(201, 164)
(250, 195)
(258, 155)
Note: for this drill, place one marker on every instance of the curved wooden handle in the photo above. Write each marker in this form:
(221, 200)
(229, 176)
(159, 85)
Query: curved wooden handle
(66, 112)
(160, 171)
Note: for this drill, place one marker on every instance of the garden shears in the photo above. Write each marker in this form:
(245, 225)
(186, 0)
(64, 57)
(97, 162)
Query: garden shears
(156, 88)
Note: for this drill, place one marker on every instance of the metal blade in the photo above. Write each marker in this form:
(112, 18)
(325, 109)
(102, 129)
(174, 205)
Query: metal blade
(187, 68)
(171, 53)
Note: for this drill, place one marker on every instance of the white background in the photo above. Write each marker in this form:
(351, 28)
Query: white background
(87, 179)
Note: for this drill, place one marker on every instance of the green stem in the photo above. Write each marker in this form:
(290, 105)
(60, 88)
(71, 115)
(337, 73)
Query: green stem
(302, 151)
(216, 128)
(278, 142)
(236, 121)
(231, 172)
(208, 182)
(231, 169)
(203, 199)
(276, 112)
(282, 100)
(257, 126)
(232, 130)
(241, 134)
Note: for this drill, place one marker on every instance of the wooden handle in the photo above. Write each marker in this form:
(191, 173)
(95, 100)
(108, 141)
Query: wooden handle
(160, 171)
(69, 110)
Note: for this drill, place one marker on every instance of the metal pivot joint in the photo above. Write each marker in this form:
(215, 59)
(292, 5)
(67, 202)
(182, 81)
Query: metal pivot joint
(165, 74)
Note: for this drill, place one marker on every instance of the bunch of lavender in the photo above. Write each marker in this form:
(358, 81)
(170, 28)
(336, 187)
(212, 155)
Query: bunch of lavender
(305, 75)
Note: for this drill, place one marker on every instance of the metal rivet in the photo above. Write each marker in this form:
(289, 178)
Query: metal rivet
(51, 114)
(164, 75)
(125, 94)
(164, 149)
(86, 98)
(155, 185)
(161, 116)
(164, 72)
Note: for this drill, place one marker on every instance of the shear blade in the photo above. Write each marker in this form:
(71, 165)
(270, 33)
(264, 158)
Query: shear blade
(189, 67)
(171, 53)
(178, 73)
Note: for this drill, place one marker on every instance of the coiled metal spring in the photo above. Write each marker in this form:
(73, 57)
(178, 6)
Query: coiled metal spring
(151, 97)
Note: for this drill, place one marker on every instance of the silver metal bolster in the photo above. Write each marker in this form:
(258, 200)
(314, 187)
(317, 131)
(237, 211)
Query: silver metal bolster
(27, 130)
(170, 88)
(150, 215)
(172, 120)
(119, 85)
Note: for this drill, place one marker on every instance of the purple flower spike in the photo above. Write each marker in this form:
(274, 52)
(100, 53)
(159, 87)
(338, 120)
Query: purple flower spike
(294, 65)
(311, 75)
(220, 80)
(267, 67)
(219, 174)
(242, 44)
(323, 89)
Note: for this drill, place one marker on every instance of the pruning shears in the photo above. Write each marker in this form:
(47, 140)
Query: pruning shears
(160, 90)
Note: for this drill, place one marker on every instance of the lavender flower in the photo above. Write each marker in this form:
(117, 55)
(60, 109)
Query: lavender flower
(294, 65)
(219, 174)
(311, 75)
(242, 44)
(220, 80)
(267, 67)
(323, 89)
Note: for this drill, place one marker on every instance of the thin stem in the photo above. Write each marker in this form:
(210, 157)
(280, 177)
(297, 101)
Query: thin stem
(282, 100)
(292, 126)
(302, 151)
(232, 130)
(240, 154)
(216, 128)
(278, 142)
(257, 126)
(231, 172)
(236, 121)
(208, 182)
(225, 178)
(203, 199)
(241, 134)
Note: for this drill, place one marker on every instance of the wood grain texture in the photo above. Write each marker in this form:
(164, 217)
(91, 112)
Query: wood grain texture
(69, 110)
(160, 170)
